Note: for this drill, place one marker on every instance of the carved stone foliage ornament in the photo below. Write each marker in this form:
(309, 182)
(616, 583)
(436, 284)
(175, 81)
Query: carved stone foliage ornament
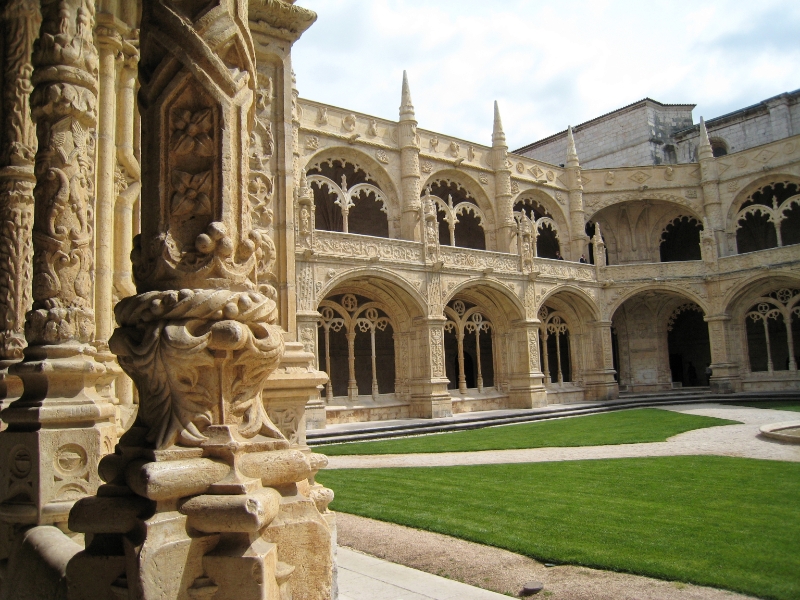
(200, 357)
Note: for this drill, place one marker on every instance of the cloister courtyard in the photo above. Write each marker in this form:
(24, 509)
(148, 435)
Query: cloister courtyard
(680, 501)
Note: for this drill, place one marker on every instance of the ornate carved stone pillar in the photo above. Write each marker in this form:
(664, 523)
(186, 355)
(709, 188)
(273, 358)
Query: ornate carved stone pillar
(19, 21)
(61, 425)
(709, 180)
(526, 388)
(502, 177)
(410, 224)
(599, 378)
(576, 210)
(725, 376)
(212, 491)
(429, 396)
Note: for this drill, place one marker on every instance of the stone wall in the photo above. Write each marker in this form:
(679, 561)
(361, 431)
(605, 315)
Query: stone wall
(770, 120)
(633, 135)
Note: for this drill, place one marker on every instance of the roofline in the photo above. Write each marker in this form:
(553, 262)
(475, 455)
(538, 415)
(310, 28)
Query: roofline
(740, 111)
(580, 126)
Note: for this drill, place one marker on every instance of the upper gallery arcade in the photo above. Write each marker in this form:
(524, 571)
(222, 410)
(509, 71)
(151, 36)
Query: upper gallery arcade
(473, 258)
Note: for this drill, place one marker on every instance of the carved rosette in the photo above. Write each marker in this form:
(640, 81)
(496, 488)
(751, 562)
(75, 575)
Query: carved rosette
(64, 107)
(199, 357)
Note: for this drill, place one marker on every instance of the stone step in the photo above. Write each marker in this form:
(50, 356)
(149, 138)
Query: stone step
(395, 429)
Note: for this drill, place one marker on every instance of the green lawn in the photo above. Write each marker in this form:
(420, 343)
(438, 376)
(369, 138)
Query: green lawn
(622, 427)
(793, 405)
(731, 523)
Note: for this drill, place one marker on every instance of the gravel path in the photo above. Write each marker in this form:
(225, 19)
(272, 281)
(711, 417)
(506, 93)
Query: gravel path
(505, 572)
(729, 440)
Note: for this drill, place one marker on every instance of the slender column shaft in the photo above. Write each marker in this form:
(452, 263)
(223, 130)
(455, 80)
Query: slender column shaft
(110, 43)
(478, 354)
(778, 234)
(769, 349)
(452, 227)
(329, 385)
(374, 369)
(495, 365)
(130, 171)
(790, 339)
(558, 358)
(545, 359)
(352, 386)
(462, 380)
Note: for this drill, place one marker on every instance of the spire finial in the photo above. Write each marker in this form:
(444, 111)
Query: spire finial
(498, 136)
(704, 149)
(572, 152)
(406, 105)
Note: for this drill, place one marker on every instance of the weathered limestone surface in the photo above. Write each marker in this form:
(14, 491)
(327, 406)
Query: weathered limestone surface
(205, 476)
(64, 419)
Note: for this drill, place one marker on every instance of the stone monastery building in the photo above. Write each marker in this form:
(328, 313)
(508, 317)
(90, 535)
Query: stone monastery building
(197, 265)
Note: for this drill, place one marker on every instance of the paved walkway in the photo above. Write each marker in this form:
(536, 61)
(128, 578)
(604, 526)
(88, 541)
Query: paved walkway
(364, 577)
(731, 440)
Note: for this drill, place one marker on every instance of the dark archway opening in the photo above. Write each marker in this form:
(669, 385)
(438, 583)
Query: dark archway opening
(689, 349)
(547, 245)
(327, 214)
(339, 366)
(553, 343)
(755, 232)
(469, 233)
(367, 216)
(681, 240)
(778, 348)
(790, 226)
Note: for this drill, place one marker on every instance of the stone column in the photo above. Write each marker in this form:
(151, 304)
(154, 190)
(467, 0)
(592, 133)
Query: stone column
(578, 235)
(502, 181)
(60, 426)
(429, 396)
(527, 387)
(109, 42)
(19, 21)
(599, 378)
(410, 226)
(127, 188)
(211, 492)
(725, 376)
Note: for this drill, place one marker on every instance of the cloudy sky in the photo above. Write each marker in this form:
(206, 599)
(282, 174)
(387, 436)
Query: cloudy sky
(548, 63)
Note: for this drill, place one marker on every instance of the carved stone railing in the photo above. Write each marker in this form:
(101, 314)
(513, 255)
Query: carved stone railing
(467, 258)
(565, 269)
(666, 271)
(773, 257)
(348, 245)
(759, 259)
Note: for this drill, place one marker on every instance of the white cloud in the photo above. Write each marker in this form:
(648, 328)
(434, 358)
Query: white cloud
(549, 63)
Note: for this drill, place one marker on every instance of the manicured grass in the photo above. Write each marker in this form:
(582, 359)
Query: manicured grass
(731, 523)
(623, 427)
(793, 405)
